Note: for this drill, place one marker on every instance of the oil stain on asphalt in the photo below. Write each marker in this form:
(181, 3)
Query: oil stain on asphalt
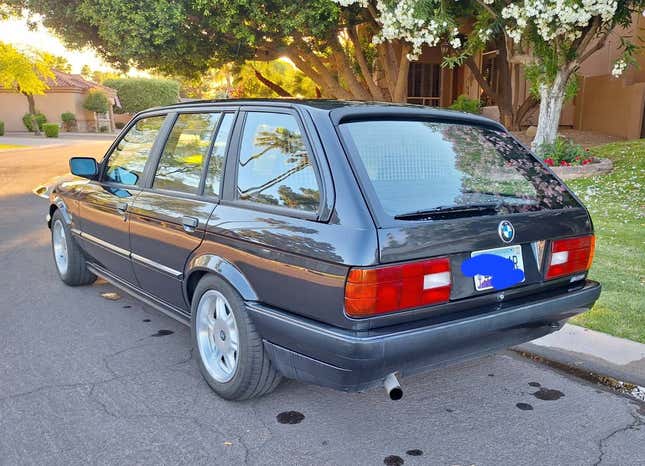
(162, 333)
(393, 460)
(290, 417)
(548, 394)
(524, 406)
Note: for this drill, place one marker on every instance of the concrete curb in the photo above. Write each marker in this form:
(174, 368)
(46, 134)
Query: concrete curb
(591, 351)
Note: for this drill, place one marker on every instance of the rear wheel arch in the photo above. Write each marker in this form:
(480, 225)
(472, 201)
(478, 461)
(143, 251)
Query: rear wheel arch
(210, 264)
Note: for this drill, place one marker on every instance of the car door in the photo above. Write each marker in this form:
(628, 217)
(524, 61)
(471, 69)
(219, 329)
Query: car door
(169, 217)
(104, 204)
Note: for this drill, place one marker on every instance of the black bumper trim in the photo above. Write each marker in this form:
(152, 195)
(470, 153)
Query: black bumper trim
(352, 360)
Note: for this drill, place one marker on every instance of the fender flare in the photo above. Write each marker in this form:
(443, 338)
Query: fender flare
(212, 263)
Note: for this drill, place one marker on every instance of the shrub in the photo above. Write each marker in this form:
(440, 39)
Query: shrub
(28, 119)
(69, 121)
(466, 104)
(564, 152)
(1, 128)
(51, 130)
(119, 125)
(97, 102)
(136, 94)
(104, 129)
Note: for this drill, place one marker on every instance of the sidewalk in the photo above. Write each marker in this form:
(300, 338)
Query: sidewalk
(592, 351)
(29, 140)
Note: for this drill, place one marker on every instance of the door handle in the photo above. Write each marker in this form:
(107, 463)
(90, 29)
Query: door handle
(190, 224)
(122, 207)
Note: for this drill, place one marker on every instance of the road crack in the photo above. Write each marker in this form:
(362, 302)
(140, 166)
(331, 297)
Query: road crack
(631, 426)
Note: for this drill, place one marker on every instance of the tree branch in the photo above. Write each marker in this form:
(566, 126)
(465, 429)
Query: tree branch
(344, 68)
(362, 63)
(593, 49)
(479, 77)
(325, 77)
(308, 70)
(281, 91)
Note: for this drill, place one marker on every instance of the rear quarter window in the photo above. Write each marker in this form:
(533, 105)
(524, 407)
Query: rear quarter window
(275, 167)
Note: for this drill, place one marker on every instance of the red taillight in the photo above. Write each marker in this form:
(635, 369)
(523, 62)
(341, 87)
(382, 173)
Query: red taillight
(379, 290)
(569, 256)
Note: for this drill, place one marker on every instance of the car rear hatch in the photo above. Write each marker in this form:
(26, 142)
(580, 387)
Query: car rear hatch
(452, 191)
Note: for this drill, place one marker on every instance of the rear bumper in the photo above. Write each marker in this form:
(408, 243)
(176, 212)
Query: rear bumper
(353, 360)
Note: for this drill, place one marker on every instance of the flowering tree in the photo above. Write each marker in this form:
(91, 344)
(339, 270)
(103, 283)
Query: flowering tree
(557, 36)
(551, 37)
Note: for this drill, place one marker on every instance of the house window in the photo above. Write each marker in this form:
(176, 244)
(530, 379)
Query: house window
(490, 71)
(424, 84)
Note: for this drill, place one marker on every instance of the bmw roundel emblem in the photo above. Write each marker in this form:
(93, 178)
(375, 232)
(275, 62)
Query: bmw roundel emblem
(506, 231)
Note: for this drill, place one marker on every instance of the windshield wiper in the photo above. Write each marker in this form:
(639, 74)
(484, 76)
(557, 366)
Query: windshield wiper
(450, 211)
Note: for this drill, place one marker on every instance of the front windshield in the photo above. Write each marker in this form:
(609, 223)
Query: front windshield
(423, 165)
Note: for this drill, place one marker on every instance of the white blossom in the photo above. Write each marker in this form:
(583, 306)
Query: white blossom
(556, 18)
(562, 20)
(362, 3)
(400, 21)
(619, 68)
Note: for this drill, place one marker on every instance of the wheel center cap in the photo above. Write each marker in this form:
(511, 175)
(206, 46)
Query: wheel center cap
(222, 335)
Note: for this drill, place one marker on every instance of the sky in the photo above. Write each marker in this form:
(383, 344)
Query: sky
(16, 32)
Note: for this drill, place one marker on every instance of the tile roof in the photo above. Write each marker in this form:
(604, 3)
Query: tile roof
(63, 80)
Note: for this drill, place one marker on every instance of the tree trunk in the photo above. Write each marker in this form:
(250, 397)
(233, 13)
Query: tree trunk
(551, 100)
(401, 87)
(32, 103)
(529, 104)
(505, 105)
(32, 112)
(505, 92)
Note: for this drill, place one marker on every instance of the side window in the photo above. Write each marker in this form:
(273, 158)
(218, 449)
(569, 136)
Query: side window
(216, 163)
(181, 162)
(275, 167)
(125, 165)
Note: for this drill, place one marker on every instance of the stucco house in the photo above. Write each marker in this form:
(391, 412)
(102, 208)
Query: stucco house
(604, 104)
(67, 93)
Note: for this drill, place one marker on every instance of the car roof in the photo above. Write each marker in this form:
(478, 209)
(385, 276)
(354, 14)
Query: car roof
(349, 110)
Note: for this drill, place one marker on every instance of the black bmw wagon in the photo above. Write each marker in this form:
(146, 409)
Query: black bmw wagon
(337, 243)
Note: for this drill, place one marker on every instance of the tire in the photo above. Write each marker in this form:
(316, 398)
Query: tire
(68, 257)
(214, 331)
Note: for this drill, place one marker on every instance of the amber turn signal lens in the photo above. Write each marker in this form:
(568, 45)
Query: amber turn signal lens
(570, 256)
(380, 290)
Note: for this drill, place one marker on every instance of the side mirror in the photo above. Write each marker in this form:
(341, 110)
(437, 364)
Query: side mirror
(84, 166)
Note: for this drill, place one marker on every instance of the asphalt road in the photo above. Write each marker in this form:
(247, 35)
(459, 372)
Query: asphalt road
(89, 380)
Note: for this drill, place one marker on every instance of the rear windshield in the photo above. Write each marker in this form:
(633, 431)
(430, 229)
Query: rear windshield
(418, 166)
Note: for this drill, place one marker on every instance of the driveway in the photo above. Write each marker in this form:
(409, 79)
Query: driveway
(91, 376)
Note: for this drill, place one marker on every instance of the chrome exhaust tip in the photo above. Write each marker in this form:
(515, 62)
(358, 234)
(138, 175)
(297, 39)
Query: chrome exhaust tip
(392, 387)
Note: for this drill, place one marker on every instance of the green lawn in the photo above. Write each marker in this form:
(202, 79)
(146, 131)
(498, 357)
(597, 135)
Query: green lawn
(10, 146)
(617, 207)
